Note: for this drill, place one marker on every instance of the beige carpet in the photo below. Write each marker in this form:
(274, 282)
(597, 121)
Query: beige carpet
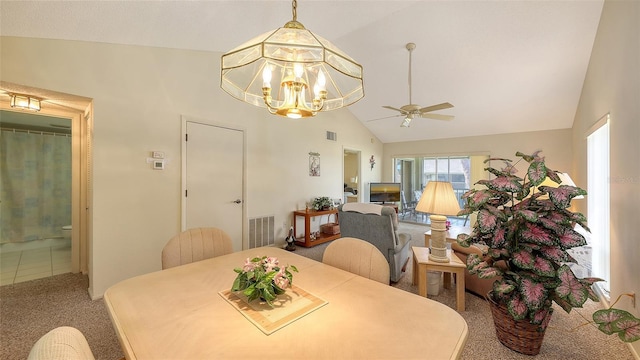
(28, 310)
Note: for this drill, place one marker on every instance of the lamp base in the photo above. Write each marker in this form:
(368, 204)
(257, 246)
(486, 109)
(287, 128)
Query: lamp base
(438, 250)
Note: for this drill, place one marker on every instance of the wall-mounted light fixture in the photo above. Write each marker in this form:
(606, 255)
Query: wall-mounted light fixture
(25, 102)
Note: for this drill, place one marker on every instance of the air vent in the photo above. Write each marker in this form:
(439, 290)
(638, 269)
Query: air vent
(332, 136)
(261, 232)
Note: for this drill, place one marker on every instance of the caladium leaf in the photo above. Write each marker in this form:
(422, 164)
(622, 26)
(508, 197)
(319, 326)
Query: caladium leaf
(502, 288)
(569, 238)
(537, 172)
(570, 288)
(486, 221)
(562, 195)
(478, 198)
(549, 224)
(498, 239)
(517, 308)
(488, 272)
(503, 183)
(628, 328)
(554, 253)
(464, 240)
(544, 267)
(498, 253)
(523, 259)
(541, 317)
(472, 261)
(528, 215)
(553, 175)
(533, 293)
(606, 317)
(536, 234)
(525, 157)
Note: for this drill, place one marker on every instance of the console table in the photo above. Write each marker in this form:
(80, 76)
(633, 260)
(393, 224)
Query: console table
(307, 215)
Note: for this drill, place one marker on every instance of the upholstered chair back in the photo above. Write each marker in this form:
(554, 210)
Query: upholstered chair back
(61, 343)
(195, 245)
(359, 257)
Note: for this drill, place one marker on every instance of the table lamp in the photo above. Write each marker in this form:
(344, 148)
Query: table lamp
(439, 200)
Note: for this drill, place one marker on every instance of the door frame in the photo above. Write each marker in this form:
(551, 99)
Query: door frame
(183, 178)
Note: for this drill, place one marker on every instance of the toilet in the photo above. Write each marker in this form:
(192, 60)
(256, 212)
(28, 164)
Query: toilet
(66, 232)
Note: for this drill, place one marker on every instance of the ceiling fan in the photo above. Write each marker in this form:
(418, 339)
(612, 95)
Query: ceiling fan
(412, 110)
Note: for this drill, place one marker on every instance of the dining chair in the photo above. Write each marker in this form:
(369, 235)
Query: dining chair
(358, 257)
(63, 342)
(194, 245)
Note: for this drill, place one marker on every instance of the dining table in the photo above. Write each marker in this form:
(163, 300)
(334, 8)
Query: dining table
(189, 312)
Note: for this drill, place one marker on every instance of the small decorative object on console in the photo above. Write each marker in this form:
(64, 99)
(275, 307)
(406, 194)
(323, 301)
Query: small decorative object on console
(263, 278)
(290, 240)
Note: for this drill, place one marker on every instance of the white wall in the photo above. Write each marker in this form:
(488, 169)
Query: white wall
(139, 94)
(612, 85)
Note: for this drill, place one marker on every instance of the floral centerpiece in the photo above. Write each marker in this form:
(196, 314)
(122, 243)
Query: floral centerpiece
(263, 278)
(528, 229)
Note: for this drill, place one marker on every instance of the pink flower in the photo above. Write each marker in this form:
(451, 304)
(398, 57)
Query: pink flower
(248, 265)
(270, 264)
(281, 279)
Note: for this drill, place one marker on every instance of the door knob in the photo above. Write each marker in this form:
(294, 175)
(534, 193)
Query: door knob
(238, 201)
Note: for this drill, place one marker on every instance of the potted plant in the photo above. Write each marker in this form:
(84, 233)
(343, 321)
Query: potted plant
(528, 229)
(321, 203)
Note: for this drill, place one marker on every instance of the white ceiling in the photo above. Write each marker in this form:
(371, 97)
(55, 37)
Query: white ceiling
(506, 66)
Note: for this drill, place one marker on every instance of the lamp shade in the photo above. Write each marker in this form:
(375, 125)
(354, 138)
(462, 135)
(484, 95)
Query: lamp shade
(438, 198)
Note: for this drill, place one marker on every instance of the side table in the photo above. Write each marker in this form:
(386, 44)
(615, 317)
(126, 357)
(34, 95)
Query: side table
(422, 264)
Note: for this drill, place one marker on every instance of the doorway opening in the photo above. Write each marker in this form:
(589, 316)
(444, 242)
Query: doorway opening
(351, 176)
(55, 239)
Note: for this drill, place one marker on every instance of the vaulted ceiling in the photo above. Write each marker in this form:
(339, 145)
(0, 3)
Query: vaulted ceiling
(506, 66)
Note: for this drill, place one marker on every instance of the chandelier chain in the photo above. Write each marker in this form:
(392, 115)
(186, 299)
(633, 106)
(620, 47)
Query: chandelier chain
(294, 7)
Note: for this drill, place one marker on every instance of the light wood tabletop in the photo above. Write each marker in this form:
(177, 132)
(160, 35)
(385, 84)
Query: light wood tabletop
(178, 313)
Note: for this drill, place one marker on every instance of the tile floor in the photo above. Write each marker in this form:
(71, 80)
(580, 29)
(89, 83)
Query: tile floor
(25, 265)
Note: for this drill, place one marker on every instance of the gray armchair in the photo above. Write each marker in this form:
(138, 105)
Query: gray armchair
(378, 225)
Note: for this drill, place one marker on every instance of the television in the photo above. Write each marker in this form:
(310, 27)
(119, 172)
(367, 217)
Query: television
(384, 192)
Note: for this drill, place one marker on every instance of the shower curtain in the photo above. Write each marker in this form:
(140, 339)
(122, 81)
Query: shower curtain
(35, 185)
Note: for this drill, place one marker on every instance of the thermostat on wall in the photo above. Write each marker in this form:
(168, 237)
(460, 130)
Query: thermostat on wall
(158, 164)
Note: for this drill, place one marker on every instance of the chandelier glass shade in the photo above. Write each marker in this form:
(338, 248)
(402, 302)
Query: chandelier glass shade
(292, 72)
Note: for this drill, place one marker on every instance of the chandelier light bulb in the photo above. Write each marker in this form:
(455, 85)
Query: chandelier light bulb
(266, 77)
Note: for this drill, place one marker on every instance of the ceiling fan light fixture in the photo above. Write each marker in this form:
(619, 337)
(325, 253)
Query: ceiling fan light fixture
(407, 121)
(312, 74)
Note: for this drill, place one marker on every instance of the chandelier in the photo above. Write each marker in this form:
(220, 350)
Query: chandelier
(312, 75)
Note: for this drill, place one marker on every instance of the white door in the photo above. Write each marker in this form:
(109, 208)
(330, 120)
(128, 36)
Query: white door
(214, 179)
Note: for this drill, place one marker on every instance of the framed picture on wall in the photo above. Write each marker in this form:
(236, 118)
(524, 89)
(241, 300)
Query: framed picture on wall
(314, 164)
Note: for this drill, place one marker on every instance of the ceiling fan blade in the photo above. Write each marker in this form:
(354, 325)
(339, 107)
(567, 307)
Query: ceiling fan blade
(436, 107)
(396, 109)
(382, 118)
(437, 116)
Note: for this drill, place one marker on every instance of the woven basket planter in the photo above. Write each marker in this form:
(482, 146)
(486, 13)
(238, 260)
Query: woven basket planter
(517, 335)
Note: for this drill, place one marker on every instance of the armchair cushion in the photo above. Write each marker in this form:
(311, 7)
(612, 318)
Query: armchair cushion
(377, 225)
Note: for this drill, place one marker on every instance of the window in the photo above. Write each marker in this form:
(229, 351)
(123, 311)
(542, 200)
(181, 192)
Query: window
(598, 216)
